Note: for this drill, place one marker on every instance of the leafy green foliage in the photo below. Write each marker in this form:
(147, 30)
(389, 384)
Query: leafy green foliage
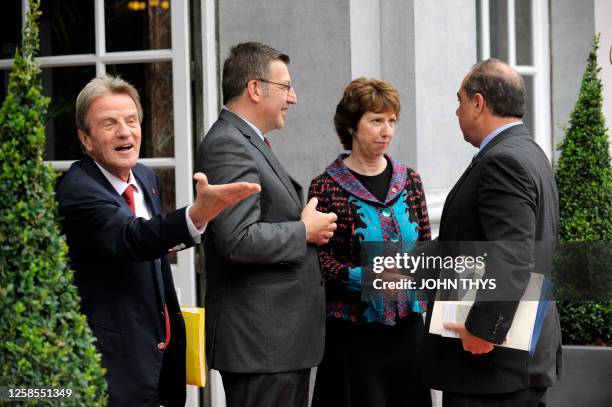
(584, 177)
(44, 340)
(590, 322)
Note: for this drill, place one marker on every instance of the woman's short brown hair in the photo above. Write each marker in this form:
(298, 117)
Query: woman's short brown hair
(360, 96)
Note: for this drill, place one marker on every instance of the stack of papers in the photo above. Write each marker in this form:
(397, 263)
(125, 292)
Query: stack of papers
(526, 325)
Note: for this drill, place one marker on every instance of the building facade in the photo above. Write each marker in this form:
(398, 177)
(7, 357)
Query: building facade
(172, 51)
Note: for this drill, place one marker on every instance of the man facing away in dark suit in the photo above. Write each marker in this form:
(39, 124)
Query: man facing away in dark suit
(110, 211)
(265, 314)
(507, 194)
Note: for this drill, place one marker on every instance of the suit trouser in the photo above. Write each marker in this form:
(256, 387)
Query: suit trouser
(531, 397)
(287, 389)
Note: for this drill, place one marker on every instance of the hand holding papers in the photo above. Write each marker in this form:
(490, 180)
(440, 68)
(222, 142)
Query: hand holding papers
(527, 323)
(471, 343)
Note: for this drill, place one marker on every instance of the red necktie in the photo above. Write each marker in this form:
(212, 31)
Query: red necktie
(128, 195)
(267, 142)
(167, 340)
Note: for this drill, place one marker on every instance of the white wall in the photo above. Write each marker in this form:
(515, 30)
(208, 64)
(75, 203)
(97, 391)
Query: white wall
(445, 50)
(572, 28)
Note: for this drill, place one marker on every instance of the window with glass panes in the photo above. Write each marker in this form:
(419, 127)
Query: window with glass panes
(516, 32)
(146, 43)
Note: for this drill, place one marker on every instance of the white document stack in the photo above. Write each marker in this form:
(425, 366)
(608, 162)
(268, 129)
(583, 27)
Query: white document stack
(526, 325)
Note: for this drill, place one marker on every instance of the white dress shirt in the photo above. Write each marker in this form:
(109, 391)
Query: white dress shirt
(142, 210)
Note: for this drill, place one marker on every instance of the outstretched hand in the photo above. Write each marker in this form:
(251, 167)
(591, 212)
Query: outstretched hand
(471, 343)
(213, 199)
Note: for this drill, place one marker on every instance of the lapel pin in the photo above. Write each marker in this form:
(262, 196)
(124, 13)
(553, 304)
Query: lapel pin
(153, 190)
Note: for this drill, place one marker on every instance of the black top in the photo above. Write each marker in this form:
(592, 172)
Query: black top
(378, 184)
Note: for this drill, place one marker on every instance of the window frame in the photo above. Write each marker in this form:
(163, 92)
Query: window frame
(182, 161)
(539, 70)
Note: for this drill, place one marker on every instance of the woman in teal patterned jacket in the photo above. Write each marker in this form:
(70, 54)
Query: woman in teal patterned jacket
(372, 340)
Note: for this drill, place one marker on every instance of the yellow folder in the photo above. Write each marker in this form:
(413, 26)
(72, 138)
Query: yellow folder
(196, 360)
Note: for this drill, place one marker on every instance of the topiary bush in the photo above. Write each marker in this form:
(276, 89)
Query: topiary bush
(584, 178)
(44, 340)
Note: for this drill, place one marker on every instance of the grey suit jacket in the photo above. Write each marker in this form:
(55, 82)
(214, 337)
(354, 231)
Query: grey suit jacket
(265, 301)
(507, 194)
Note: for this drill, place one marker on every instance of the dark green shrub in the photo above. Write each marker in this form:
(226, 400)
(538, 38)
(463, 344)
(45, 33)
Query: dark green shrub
(44, 340)
(588, 322)
(584, 177)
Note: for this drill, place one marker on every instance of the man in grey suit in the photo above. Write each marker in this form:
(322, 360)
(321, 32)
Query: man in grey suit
(507, 194)
(265, 295)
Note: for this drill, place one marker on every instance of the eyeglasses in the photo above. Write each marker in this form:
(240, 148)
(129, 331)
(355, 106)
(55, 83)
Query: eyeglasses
(284, 86)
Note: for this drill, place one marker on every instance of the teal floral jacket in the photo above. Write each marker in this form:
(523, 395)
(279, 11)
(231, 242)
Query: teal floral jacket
(402, 217)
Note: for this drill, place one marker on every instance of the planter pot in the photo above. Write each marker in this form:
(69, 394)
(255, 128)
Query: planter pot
(587, 378)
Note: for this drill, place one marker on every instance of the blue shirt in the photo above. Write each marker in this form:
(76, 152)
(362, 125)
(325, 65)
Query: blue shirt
(494, 133)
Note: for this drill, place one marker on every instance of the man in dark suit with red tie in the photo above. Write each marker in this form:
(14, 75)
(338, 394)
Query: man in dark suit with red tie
(118, 237)
(506, 196)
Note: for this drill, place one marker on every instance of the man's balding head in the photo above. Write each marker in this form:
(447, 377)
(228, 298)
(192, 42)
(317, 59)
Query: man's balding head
(501, 87)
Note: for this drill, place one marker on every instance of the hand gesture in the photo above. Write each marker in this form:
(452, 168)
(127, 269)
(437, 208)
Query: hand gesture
(393, 275)
(319, 226)
(213, 199)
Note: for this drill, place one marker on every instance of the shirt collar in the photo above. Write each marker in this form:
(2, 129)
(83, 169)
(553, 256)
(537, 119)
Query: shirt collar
(116, 182)
(495, 132)
(259, 133)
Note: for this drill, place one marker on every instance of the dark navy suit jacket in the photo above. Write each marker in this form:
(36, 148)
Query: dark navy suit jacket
(507, 194)
(122, 285)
